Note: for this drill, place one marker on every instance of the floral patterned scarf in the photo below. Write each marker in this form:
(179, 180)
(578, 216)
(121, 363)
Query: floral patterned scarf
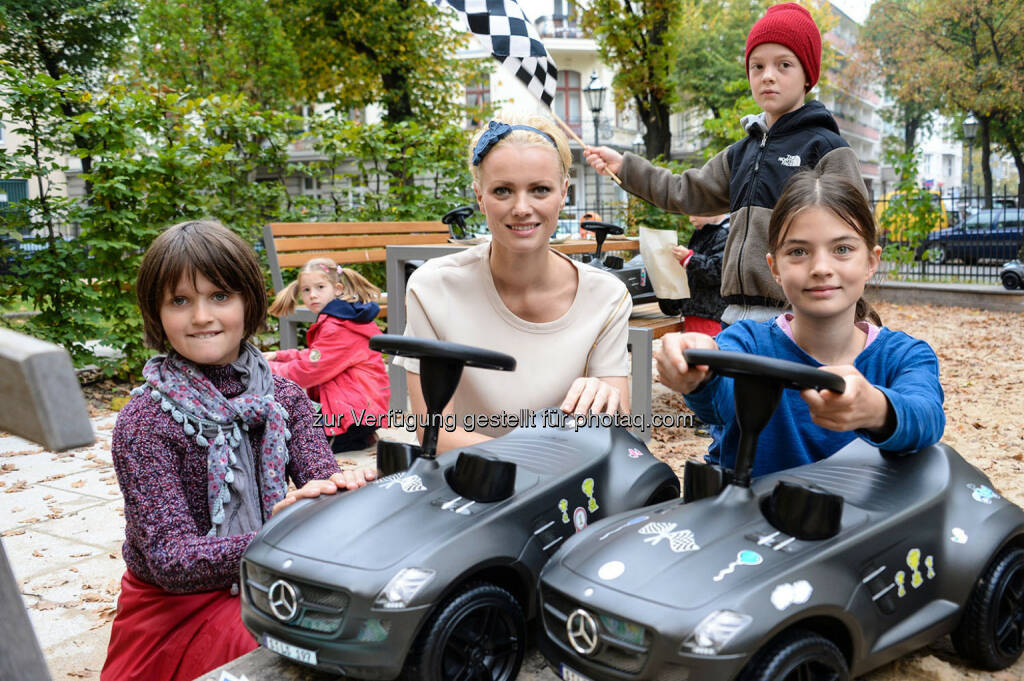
(216, 422)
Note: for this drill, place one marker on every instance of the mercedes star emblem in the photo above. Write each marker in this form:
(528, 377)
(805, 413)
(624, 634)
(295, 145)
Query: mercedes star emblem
(284, 601)
(582, 631)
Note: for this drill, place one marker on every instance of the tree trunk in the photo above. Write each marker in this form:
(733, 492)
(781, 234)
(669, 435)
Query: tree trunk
(658, 136)
(986, 155)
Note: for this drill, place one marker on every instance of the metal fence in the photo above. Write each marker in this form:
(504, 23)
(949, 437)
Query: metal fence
(963, 237)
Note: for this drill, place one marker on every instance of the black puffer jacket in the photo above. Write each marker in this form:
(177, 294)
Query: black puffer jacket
(704, 272)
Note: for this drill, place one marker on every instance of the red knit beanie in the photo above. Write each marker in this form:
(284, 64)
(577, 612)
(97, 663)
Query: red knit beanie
(791, 25)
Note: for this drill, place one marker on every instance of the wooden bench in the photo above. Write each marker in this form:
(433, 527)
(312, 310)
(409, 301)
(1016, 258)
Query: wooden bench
(293, 244)
(646, 324)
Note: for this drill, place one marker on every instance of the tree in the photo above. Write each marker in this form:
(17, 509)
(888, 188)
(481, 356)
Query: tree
(221, 47)
(78, 38)
(641, 41)
(966, 55)
(399, 54)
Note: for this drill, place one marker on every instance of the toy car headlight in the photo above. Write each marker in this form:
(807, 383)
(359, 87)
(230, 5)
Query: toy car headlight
(402, 588)
(714, 631)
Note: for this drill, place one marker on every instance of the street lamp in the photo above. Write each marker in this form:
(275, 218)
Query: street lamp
(638, 144)
(970, 131)
(595, 100)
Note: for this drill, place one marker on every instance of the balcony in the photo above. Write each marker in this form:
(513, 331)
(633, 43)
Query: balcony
(559, 26)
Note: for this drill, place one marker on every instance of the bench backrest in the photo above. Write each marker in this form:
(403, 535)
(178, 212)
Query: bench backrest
(293, 244)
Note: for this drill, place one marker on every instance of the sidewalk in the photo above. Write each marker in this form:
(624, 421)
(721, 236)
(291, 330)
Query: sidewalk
(62, 524)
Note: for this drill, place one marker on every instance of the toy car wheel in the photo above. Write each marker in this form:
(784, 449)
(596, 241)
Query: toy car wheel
(797, 656)
(1011, 280)
(477, 635)
(666, 492)
(991, 633)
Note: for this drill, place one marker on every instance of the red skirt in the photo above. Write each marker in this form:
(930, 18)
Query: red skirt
(702, 325)
(162, 636)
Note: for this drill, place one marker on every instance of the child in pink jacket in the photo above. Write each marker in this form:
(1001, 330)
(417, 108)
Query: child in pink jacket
(338, 370)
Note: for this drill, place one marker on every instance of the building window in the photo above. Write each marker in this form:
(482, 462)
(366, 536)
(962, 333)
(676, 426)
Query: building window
(2, 132)
(568, 100)
(478, 97)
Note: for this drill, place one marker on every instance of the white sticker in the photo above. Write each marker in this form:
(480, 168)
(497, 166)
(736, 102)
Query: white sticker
(678, 540)
(959, 536)
(409, 483)
(611, 570)
(797, 593)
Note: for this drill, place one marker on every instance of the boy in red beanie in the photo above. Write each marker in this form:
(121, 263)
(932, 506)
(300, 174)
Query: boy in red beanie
(783, 57)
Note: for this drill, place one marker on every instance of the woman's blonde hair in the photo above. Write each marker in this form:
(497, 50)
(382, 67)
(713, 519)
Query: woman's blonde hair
(527, 138)
(354, 287)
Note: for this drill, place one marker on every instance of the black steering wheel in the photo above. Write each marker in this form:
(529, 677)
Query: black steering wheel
(789, 374)
(456, 220)
(759, 383)
(425, 348)
(441, 365)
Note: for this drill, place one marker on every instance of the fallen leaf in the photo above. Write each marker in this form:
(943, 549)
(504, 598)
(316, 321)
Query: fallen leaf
(94, 598)
(17, 487)
(43, 604)
(48, 496)
(11, 533)
(78, 483)
(37, 553)
(8, 467)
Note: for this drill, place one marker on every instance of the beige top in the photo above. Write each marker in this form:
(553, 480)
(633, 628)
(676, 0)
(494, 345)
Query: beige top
(453, 298)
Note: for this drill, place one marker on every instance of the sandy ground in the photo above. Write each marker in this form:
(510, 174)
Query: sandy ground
(62, 521)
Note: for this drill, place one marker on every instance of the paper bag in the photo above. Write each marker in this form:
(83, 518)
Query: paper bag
(668, 277)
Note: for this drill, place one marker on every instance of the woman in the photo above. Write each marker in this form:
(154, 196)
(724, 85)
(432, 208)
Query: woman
(564, 322)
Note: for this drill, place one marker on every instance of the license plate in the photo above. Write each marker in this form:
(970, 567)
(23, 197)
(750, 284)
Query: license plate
(569, 674)
(288, 650)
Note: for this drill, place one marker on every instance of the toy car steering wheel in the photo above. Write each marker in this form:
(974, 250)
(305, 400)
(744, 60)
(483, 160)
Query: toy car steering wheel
(759, 383)
(789, 374)
(441, 366)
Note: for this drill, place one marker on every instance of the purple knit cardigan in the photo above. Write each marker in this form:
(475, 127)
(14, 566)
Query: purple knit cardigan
(162, 474)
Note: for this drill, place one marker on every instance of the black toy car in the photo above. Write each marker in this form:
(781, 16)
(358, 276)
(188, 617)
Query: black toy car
(1012, 275)
(825, 571)
(433, 567)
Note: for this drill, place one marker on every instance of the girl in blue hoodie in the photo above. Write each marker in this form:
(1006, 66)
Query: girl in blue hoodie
(338, 369)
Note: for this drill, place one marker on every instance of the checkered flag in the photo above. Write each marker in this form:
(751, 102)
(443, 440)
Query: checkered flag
(502, 28)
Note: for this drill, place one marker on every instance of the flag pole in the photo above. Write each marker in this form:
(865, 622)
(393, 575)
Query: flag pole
(572, 133)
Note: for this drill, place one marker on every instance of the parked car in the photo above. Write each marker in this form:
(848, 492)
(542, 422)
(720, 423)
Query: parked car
(1012, 275)
(989, 234)
(432, 568)
(825, 571)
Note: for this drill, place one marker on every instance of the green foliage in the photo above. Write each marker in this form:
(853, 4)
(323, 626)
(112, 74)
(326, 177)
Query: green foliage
(162, 157)
(51, 278)
(224, 47)
(909, 214)
(58, 37)
(396, 53)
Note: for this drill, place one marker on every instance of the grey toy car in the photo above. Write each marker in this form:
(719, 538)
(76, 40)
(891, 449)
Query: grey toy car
(822, 572)
(432, 569)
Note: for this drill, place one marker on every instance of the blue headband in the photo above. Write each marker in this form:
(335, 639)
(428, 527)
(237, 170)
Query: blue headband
(497, 131)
